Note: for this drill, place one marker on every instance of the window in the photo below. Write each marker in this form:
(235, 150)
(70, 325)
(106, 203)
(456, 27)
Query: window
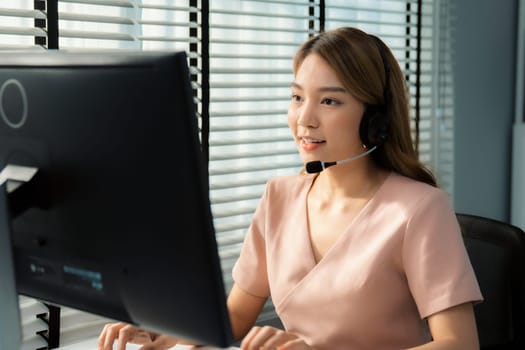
(240, 54)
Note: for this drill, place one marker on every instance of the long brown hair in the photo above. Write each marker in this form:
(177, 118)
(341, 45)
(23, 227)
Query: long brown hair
(364, 64)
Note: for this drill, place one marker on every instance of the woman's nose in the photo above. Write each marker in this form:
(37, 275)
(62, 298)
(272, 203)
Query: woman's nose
(307, 116)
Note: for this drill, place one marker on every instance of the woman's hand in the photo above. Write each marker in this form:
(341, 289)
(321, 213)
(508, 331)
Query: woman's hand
(125, 333)
(273, 338)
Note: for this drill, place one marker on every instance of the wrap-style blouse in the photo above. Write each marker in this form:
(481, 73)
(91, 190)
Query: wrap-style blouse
(399, 261)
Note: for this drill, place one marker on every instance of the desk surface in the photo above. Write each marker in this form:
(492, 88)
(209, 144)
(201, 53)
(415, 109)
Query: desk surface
(91, 344)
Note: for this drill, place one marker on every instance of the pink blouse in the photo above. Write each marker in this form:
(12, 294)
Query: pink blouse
(399, 261)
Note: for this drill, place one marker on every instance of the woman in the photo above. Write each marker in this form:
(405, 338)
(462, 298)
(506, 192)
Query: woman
(364, 253)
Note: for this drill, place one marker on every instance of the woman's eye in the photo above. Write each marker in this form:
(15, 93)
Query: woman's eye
(330, 102)
(296, 98)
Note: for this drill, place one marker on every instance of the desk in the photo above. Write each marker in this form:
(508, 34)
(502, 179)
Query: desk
(91, 344)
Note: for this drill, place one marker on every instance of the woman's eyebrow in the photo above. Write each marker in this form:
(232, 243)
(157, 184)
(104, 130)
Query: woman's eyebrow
(295, 85)
(322, 88)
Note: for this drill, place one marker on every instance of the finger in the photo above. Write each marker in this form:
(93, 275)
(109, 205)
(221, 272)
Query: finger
(277, 339)
(248, 337)
(161, 342)
(102, 338)
(294, 344)
(131, 334)
(258, 337)
(140, 337)
(109, 335)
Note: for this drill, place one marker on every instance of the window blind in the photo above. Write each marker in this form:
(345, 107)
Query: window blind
(252, 44)
(17, 24)
(442, 127)
(124, 24)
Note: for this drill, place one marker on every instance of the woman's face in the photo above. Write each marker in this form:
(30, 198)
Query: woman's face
(323, 116)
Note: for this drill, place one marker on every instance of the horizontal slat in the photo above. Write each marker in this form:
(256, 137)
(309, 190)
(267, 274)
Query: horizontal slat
(120, 3)
(247, 141)
(235, 199)
(255, 167)
(228, 259)
(278, 2)
(131, 4)
(245, 154)
(159, 23)
(256, 43)
(254, 55)
(68, 33)
(23, 31)
(21, 47)
(270, 14)
(259, 29)
(221, 99)
(66, 16)
(170, 7)
(253, 85)
(234, 183)
(120, 20)
(397, 10)
(234, 211)
(232, 238)
(224, 184)
(238, 70)
(166, 39)
(251, 126)
(284, 148)
(233, 226)
(384, 23)
(9, 12)
(248, 113)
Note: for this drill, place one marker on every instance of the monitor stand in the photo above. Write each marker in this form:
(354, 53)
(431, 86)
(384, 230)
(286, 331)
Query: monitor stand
(11, 177)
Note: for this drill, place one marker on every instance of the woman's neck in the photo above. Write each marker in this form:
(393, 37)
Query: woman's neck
(347, 181)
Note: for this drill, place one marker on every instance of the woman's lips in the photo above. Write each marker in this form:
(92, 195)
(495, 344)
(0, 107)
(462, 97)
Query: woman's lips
(311, 144)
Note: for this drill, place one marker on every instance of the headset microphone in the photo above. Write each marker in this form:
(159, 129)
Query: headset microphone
(317, 166)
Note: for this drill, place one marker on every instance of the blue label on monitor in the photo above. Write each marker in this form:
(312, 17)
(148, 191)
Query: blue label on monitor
(83, 278)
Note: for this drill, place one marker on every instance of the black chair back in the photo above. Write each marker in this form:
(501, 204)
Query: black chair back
(496, 250)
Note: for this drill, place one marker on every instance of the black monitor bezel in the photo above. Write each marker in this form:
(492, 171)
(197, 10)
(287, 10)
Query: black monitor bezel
(163, 63)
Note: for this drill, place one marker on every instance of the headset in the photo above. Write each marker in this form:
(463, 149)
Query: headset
(375, 124)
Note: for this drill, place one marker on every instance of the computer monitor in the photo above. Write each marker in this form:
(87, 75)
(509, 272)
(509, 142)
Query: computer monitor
(111, 214)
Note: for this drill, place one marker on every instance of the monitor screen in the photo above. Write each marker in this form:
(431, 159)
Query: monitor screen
(114, 216)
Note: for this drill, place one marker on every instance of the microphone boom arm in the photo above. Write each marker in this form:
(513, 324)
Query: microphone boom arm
(317, 166)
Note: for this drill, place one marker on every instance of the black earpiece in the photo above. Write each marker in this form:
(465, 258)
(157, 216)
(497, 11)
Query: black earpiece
(375, 124)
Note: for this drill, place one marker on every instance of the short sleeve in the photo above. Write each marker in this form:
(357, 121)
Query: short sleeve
(435, 259)
(250, 270)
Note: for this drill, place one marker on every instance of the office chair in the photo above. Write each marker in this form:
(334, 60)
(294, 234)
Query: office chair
(496, 250)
